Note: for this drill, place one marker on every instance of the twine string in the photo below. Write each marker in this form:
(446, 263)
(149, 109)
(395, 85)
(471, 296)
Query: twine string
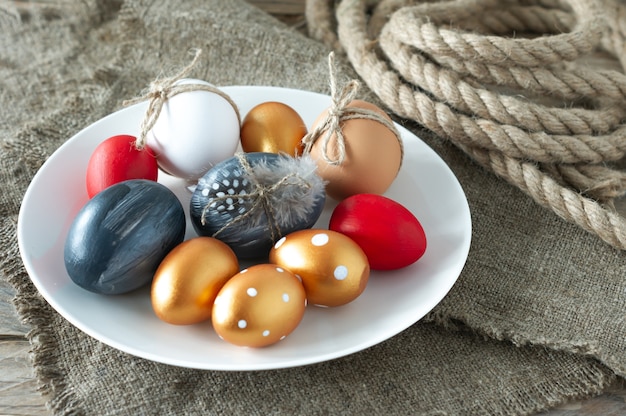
(260, 197)
(162, 89)
(338, 112)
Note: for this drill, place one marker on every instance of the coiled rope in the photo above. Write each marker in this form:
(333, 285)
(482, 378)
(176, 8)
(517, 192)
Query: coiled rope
(514, 84)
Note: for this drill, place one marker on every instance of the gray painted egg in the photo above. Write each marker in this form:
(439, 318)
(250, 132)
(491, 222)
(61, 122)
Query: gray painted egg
(118, 239)
(252, 199)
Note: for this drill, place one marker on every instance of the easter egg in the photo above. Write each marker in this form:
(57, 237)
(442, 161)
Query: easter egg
(119, 237)
(194, 131)
(259, 306)
(117, 159)
(389, 234)
(333, 268)
(273, 127)
(189, 278)
(251, 200)
(373, 155)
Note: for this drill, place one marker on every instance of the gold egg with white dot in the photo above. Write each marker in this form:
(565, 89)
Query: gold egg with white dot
(259, 306)
(333, 268)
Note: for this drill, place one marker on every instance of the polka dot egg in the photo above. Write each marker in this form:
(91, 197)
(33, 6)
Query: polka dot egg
(333, 268)
(259, 306)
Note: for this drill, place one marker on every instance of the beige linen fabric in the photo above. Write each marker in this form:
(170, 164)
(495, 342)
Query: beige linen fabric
(536, 317)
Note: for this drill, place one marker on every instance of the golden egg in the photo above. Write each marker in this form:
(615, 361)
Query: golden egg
(189, 278)
(259, 306)
(333, 268)
(373, 155)
(273, 127)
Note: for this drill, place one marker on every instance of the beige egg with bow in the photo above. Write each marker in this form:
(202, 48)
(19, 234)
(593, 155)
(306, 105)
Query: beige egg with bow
(372, 152)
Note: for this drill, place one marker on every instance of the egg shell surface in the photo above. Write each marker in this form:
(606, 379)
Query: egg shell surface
(116, 160)
(333, 268)
(389, 234)
(273, 127)
(259, 306)
(194, 131)
(373, 156)
(119, 237)
(189, 278)
(227, 202)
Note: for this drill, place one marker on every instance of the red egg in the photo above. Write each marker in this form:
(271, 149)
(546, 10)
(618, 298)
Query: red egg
(117, 159)
(389, 234)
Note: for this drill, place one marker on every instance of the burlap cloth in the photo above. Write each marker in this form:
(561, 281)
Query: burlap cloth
(536, 318)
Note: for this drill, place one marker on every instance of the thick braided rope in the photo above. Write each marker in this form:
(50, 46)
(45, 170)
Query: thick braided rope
(323, 16)
(584, 212)
(513, 17)
(515, 126)
(502, 113)
(416, 29)
(573, 83)
(553, 168)
(447, 86)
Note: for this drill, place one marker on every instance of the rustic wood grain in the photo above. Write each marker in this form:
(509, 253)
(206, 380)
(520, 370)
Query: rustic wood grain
(284, 7)
(18, 388)
(10, 324)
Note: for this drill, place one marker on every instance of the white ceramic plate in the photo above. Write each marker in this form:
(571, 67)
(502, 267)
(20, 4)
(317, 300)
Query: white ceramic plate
(391, 302)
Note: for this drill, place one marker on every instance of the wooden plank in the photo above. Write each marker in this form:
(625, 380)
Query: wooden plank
(9, 322)
(282, 7)
(610, 403)
(18, 388)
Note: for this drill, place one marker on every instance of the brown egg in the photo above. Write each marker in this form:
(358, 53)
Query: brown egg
(189, 278)
(259, 306)
(373, 156)
(333, 268)
(273, 127)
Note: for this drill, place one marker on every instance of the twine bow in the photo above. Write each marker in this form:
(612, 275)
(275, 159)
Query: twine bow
(161, 90)
(339, 112)
(260, 196)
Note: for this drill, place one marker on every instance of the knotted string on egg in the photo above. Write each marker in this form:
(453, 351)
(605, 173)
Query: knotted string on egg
(338, 112)
(161, 90)
(297, 190)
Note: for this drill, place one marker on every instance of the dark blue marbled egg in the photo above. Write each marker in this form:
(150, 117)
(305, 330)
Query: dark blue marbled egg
(252, 199)
(120, 236)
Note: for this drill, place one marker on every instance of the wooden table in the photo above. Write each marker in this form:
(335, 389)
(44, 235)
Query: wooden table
(18, 388)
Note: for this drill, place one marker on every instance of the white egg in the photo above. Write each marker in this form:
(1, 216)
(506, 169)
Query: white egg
(194, 131)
